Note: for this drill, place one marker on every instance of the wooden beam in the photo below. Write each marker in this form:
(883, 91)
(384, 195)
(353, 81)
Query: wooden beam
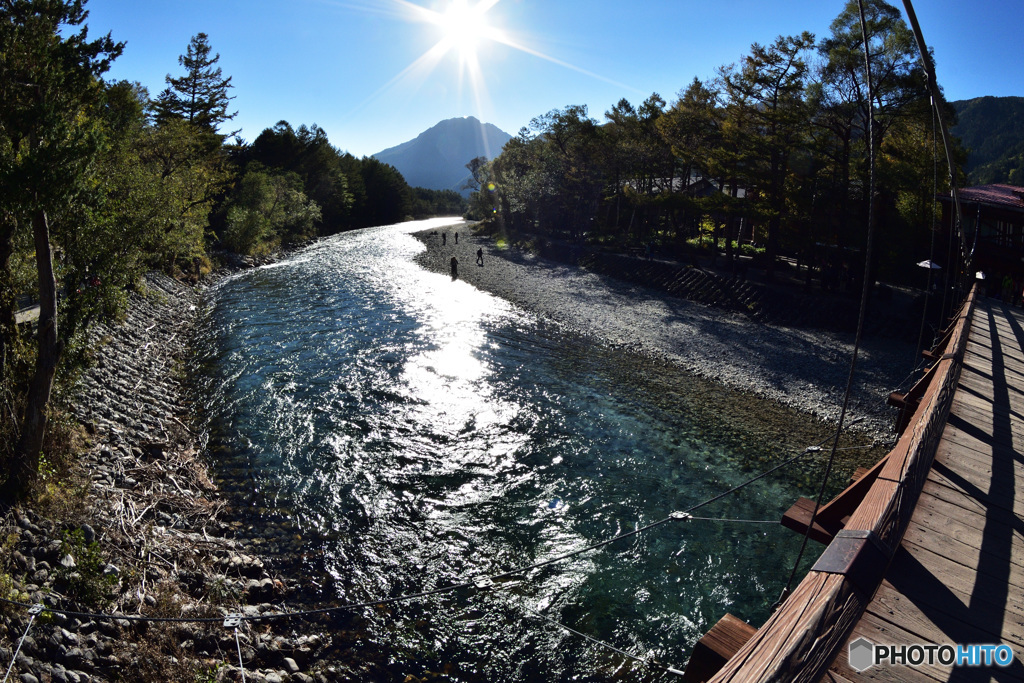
(798, 518)
(832, 516)
(717, 647)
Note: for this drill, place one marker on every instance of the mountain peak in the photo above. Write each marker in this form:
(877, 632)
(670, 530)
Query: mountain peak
(436, 159)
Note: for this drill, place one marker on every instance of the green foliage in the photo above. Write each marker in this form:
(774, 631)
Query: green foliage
(428, 203)
(50, 137)
(185, 182)
(547, 177)
(707, 230)
(766, 116)
(992, 128)
(84, 579)
(48, 87)
(248, 230)
(691, 128)
(8, 543)
(91, 195)
(325, 172)
(268, 210)
(160, 184)
(774, 150)
(839, 95)
(483, 197)
(208, 673)
(388, 198)
(200, 97)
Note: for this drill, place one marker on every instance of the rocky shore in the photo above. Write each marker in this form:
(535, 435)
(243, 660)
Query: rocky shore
(138, 529)
(803, 368)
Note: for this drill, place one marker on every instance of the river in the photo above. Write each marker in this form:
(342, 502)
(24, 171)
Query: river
(416, 432)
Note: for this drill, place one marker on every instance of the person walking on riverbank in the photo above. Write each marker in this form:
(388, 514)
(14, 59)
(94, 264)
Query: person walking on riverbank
(444, 239)
(455, 268)
(480, 256)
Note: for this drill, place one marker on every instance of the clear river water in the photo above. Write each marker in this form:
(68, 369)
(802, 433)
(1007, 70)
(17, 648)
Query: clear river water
(415, 432)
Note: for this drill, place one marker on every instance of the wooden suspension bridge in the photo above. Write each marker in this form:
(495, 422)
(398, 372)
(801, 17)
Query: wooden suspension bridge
(925, 548)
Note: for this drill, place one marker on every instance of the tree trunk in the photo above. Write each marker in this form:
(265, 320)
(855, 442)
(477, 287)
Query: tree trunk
(25, 464)
(8, 305)
(730, 232)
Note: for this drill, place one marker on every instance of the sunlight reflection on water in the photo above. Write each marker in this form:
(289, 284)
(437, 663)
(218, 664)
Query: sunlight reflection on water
(419, 432)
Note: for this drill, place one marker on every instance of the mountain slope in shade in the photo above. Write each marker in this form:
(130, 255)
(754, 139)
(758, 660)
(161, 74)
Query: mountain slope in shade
(992, 129)
(437, 158)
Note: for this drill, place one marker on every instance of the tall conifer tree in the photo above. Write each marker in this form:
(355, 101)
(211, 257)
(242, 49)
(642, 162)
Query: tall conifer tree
(201, 95)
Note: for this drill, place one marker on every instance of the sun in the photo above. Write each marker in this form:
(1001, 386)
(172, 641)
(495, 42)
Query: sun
(464, 26)
(466, 29)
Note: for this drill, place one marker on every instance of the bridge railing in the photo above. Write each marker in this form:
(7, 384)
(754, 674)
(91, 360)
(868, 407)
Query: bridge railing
(800, 640)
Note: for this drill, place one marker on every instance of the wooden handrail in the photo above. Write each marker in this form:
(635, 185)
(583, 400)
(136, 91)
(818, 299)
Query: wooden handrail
(800, 640)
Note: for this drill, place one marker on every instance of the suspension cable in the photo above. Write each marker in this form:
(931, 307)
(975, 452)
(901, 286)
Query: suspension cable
(649, 663)
(34, 611)
(476, 582)
(931, 232)
(933, 86)
(865, 290)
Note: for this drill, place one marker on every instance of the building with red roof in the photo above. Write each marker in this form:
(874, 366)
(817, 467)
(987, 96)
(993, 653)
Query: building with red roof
(993, 222)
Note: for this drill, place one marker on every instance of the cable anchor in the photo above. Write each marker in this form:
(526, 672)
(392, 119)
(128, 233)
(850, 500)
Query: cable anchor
(233, 621)
(35, 610)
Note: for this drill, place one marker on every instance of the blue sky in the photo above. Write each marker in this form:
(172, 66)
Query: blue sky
(363, 69)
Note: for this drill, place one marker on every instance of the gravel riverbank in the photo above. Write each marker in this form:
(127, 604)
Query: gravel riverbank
(804, 369)
(143, 531)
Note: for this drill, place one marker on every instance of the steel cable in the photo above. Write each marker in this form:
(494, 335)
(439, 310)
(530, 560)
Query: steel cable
(682, 515)
(865, 289)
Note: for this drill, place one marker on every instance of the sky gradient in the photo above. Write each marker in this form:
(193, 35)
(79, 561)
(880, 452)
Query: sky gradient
(371, 73)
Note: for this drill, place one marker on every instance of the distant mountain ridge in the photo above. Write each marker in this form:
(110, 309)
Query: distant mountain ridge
(436, 159)
(992, 129)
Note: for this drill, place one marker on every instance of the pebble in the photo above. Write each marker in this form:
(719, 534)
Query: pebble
(803, 368)
(130, 405)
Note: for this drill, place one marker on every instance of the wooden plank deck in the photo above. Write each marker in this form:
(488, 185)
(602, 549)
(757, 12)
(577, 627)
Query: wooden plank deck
(958, 575)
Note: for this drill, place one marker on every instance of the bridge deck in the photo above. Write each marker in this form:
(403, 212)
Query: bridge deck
(958, 576)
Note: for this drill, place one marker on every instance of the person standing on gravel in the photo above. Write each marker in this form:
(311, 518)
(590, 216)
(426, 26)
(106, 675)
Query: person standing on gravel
(480, 256)
(455, 268)
(444, 239)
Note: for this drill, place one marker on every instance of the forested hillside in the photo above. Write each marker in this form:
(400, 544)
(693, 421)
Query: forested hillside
(100, 182)
(992, 130)
(769, 156)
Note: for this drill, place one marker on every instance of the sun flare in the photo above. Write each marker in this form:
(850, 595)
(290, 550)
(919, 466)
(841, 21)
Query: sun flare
(461, 26)
(464, 26)
(466, 29)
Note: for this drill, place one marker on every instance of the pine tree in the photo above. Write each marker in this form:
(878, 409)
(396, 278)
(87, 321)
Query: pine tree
(200, 97)
(766, 117)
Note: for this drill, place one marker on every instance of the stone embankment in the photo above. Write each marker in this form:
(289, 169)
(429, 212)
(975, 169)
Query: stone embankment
(141, 530)
(782, 304)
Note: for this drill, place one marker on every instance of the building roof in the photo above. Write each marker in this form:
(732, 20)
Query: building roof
(1008, 196)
